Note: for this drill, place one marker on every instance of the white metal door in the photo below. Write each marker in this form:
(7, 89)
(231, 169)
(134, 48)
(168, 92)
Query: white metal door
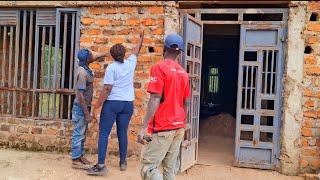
(259, 96)
(191, 60)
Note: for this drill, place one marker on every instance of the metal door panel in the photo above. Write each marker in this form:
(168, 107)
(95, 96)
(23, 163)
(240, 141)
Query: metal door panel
(191, 60)
(255, 156)
(259, 99)
(187, 156)
(261, 38)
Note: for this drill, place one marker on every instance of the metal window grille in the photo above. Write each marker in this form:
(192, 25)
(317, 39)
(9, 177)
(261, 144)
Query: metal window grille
(37, 49)
(213, 80)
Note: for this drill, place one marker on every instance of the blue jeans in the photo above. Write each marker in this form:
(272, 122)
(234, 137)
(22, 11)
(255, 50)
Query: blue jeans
(79, 131)
(121, 112)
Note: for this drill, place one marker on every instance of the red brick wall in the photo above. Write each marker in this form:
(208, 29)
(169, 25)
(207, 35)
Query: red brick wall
(36, 135)
(310, 129)
(103, 27)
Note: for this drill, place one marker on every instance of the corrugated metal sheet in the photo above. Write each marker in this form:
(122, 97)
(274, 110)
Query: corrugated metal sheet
(8, 17)
(46, 17)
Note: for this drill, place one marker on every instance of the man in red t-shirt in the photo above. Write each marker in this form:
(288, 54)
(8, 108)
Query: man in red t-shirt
(164, 123)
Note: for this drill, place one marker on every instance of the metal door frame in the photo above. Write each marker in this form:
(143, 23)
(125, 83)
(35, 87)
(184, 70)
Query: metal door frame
(240, 11)
(277, 99)
(283, 24)
(189, 146)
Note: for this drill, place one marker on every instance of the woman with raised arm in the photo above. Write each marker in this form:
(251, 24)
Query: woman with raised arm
(116, 99)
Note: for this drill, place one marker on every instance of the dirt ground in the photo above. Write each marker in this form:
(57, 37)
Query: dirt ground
(216, 151)
(216, 140)
(16, 165)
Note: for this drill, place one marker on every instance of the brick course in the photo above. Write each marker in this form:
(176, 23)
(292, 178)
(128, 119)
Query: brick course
(122, 25)
(101, 27)
(310, 129)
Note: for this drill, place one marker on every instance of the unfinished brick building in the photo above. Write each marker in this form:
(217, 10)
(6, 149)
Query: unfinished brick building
(256, 61)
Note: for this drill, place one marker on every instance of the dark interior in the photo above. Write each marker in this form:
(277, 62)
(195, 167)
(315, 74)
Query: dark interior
(219, 69)
(220, 57)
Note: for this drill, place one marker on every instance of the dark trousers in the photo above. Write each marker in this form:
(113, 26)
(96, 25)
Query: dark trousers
(121, 112)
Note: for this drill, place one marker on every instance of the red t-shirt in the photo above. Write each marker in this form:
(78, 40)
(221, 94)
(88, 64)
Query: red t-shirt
(171, 81)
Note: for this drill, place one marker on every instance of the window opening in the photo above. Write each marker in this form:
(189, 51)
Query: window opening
(213, 80)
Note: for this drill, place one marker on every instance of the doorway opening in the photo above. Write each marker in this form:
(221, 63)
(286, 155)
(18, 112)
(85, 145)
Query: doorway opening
(217, 126)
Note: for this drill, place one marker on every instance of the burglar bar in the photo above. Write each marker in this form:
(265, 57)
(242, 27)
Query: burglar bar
(56, 53)
(251, 87)
(4, 53)
(10, 66)
(246, 87)
(24, 26)
(30, 58)
(71, 61)
(43, 40)
(2, 79)
(273, 72)
(35, 73)
(49, 69)
(269, 83)
(16, 65)
(266, 72)
(63, 61)
(29, 70)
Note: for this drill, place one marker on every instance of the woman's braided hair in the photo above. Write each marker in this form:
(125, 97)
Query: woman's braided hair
(118, 52)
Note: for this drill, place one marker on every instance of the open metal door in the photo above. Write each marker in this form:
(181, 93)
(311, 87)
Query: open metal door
(259, 96)
(191, 60)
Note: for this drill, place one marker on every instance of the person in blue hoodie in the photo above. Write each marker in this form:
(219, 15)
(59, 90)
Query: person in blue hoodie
(82, 105)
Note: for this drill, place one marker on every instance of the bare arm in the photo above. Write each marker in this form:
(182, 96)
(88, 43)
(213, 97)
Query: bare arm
(104, 94)
(153, 105)
(83, 105)
(136, 50)
(96, 56)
